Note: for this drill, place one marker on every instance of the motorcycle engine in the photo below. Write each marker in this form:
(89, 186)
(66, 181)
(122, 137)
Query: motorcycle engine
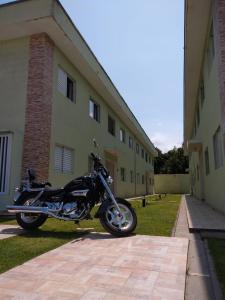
(73, 210)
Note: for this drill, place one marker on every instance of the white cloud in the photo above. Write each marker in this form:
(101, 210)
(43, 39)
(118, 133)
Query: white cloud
(166, 142)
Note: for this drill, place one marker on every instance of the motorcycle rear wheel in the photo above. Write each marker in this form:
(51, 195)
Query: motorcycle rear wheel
(29, 221)
(119, 226)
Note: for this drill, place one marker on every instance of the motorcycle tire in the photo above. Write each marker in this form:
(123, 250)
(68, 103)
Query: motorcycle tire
(111, 223)
(29, 221)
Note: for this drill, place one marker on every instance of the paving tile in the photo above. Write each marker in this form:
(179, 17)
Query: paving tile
(102, 267)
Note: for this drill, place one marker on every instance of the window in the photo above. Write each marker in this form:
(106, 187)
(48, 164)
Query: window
(122, 135)
(197, 115)
(149, 159)
(131, 176)
(218, 151)
(63, 159)
(94, 110)
(142, 153)
(111, 126)
(197, 172)
(211, 49)
(207, 170)
(146, 157)
(137, 148)
(202, 92)
(66, 85)
(130, 142)
(138, 178)
(90, 164)
(143, 179)
(122, 174)
(5, 152)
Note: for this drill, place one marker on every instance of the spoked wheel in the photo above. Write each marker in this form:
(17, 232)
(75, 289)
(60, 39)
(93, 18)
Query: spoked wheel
(119, 224)
(30, 221)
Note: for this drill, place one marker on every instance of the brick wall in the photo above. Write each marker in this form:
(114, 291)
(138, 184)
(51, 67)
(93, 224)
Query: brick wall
(219, 33)
(37, 134)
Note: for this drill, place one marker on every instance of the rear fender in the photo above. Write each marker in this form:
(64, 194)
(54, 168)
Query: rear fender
(25, 196)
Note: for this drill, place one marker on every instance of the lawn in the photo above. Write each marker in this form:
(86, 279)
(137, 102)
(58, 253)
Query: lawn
(217, 250)
(157, 218)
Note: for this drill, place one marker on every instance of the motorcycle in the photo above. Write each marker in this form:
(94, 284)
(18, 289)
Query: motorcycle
(35, 202)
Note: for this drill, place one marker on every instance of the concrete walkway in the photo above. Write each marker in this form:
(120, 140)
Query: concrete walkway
(99, 266)
(202, 217)
(201, 281)
(7, 231)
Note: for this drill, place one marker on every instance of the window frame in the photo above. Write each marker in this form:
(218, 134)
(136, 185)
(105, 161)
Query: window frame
(218, 149)
(69, 79)
(96, 110)
(6, 154)
(137, 148)
(131, 143)
(122, 174)
(207, 165)
(122, 135)
(114, 125)
(61, 170)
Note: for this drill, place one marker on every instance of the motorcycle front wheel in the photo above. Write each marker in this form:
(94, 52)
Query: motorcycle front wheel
(116, 224)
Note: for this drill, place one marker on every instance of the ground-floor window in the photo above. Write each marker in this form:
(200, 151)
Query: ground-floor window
(122, 174)
(207, 170)
(131, 176)
(5, 159)
(218, 150)
(64, 158)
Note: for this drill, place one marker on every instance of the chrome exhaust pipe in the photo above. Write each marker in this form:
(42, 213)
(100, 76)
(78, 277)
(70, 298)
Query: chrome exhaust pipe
(29, 209)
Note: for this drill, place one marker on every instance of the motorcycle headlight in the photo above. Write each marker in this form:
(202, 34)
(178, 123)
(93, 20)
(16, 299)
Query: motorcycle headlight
(109, 180)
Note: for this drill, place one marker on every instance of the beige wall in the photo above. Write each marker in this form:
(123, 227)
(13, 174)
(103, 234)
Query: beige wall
(13, 81)
(71, 124)
(172, 183)
(210, 187)
(72, 127)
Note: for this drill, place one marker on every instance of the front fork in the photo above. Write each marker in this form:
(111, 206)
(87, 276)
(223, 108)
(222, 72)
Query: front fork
(109, 192)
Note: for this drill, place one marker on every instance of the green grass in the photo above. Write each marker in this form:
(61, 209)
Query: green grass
(217, 250)
(157, 218)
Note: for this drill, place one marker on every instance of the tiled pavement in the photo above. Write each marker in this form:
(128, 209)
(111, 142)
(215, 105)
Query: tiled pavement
(7, 231)
(202, 217)
(99, 266)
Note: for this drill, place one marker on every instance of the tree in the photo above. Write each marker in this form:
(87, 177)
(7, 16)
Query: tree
(172, 162)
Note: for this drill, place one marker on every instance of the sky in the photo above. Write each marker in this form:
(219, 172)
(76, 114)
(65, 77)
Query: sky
(140, 45)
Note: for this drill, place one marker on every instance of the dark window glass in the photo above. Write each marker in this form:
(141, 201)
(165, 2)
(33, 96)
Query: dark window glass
(122, 174)
(70, 89)
(207, 161)
(130, 142)
(111, 126)
(137, 148)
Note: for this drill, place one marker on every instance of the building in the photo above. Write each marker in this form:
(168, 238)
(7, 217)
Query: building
(55, 98)
(204, 99)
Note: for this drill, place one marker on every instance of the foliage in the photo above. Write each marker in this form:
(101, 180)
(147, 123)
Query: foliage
(157, 218)
(172, 162)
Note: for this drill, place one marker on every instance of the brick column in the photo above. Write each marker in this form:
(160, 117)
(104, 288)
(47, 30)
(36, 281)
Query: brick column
(36, 151)
(219, 39)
